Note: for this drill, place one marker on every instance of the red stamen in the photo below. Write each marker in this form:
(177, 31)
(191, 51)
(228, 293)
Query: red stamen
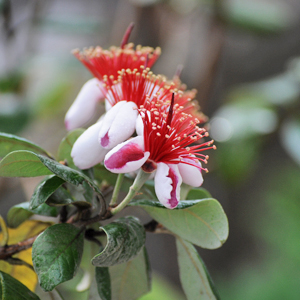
(109, 62)
(169, 136)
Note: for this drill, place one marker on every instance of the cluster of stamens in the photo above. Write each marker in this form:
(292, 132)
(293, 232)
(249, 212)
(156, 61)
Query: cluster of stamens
(136, 85)
(173, 136)
(102, 62)
(169, 113)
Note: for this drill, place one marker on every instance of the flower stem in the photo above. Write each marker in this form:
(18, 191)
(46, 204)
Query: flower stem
(140, 179)
(116, 191)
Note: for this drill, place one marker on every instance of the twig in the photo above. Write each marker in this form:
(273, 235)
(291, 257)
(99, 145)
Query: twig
(9, 250)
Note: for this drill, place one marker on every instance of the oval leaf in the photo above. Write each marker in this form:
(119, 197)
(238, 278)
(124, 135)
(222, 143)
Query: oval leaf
(195, 280)
(56, 254)
(201, 222)
(125, 239)
(119, 282)
(10, 288)
(22, 164)
(10, 143)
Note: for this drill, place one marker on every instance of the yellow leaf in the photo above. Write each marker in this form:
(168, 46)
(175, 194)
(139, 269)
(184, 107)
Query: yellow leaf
(4, 231)
(26, 230)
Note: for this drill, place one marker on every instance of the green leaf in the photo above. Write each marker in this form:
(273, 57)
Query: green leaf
(103, 283)
(60, 197)
(201, 222)
(195, 280)
(198, 193)
(127, 281)
(29, 164)
(22, 164)
(10, 288)
(44, 190)
(21, 212)
(56, 254)
(65, 147)
(10, 143)
(125, 239)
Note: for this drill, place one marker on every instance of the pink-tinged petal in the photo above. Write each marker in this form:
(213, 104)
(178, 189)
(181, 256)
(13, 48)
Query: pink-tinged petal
(191, 175)
(127, 156)
(87, 151)
(167, 183)
(118, 124)
(83, 108)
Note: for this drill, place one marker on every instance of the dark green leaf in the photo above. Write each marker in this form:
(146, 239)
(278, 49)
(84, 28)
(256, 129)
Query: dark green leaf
(201, 222)
(12, 289)
(125, 239)
(21, 212)
(103, 283)
(10, 143)
(29, 164)
(56, 254)
(127, 281)
(195, 280)
(62, 197)
(65, 147)
(198, 193)
(44, 190)
(70, 175)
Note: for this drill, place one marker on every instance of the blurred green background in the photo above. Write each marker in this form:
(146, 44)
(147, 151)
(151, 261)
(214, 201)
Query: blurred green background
(243, 57)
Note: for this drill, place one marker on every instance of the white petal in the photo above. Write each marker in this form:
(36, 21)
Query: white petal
(191, 175)
(118, 124)
(139, 126)
(83, 108)
(87, 151)
(167, 183)
(127, 156)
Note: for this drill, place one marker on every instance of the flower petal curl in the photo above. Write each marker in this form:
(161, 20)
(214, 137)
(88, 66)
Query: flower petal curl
(127, 157)
(167, 183)
(118, 124)
(87, 151)
(83, 108)
(191, 175)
